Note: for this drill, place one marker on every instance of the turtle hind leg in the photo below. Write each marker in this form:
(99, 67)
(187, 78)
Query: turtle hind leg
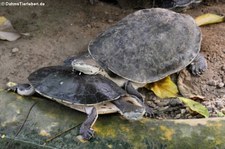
(86, 130)
(22, 89)
(198, 66)
(132, 91)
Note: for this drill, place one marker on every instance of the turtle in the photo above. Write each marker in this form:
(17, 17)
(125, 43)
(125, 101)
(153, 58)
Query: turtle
(177, 4)
(144, 47)
(92, 94)
(168, 4)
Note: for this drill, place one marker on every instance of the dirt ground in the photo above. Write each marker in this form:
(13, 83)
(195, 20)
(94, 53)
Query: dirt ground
(64, 28)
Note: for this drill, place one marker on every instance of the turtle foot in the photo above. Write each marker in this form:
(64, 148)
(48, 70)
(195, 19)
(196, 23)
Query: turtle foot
(86, 133)
(11, 88)
(198, 66)
(21, 89)
(149, 112)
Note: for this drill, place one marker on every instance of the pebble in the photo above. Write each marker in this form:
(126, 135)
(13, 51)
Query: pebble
(163, 103)
(221, 84)
(210, 108)
(117, 14)
(182, 111)
(189, 117)
(212, 82)
(175, 102)
(223, 110)
(157, 101)
(110, 21)
(163, 108)
(178, 116)
(14, 50)
(223, 68)
(152, 104)
(219, 105)
(89, 25)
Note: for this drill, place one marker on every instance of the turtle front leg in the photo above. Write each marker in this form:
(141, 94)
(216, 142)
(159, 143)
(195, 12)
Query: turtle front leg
(86, 130)
(22, 89)
(128, 109)
(198, 66)
(132, 91)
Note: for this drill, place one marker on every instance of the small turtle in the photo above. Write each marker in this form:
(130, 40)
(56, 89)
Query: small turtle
(145, 47)
(92, 94)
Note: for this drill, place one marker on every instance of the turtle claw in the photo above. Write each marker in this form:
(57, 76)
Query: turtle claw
(149, 112)
(12, 88)
(87, 133)
(198, 66)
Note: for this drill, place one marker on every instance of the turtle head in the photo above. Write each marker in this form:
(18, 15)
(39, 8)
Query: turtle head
(87, 66)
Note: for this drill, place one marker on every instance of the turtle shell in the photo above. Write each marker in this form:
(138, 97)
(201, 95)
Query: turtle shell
(148, 45)
(66, 86)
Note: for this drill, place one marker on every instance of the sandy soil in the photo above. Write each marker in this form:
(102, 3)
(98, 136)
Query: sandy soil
(63, 28)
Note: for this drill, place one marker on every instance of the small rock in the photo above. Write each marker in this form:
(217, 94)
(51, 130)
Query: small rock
(152, 104)
(210, 108)
(14, 50)
(163, 103)
(175, 102)
(89, 25)
(219, 104)
(110, 21)
(178, 116)
(182, 111)
(212, 82)
(223, 110)
(190, 117)
(221, 84)
(223, 68)
(163, 108)
(157, 101)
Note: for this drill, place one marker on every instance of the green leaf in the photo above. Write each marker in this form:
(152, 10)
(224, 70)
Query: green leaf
(195, 106)
(220, 114)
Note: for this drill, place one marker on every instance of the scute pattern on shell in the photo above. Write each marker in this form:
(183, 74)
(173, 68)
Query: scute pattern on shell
(148, 45)
(63, 85)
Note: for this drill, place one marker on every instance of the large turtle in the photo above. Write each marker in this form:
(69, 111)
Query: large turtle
(92, 94)
(144, 47)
